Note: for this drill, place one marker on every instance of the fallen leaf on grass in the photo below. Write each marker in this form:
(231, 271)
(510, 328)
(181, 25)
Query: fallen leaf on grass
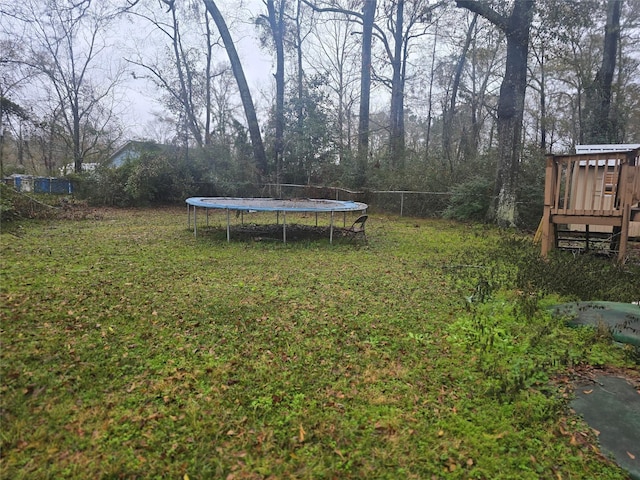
(302, 433)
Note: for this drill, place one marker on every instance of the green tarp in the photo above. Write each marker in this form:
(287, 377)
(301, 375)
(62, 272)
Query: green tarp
(622, 319)
(611, 406)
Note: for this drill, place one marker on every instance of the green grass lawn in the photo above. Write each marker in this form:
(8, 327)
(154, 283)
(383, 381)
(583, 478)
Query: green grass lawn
(132, 349)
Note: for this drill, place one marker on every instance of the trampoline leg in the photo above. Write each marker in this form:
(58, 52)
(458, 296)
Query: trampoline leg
(195, 222)
(284, 227)
(228, 228)
(331, 230)
(188, 217)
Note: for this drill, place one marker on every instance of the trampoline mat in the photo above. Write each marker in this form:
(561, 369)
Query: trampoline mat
(622, 319)
(612, 407)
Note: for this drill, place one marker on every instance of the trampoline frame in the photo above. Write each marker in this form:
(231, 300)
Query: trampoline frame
(241, 204)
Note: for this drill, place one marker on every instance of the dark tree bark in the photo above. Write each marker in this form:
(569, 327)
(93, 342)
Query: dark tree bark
(516, 27)
(368, 17)
(396, 127)
(276, 24)
(601, 127)
(449, 113)
(207, 120)
(243, 87)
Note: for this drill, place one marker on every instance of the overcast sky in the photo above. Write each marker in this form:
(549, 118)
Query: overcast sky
(142, 96)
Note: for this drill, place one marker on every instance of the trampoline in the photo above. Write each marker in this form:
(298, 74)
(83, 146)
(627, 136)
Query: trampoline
(241, 205)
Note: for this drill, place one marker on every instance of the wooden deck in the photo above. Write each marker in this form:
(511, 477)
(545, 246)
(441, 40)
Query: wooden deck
(592, 192)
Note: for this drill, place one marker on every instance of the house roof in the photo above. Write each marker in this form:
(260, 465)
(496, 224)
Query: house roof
(133, 148)
(607, 148)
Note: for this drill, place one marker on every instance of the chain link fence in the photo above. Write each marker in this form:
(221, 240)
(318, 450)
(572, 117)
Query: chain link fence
(399, 202)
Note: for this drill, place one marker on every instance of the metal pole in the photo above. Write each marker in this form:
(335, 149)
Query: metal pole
(228, 228)
(195, 222)
(331, 230)
(284, 226)
(188, 216)
(401, 202)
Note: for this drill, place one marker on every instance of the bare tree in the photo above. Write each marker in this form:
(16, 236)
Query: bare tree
(67, 47)
(276, 22)
(185, 72)
(449, 111)
(403, 28)
(367, 19)
(335, 56)
(601, 127)
(245, 94)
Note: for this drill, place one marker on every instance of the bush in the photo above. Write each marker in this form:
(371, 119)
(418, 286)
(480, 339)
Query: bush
(470, 200)
(153, 178)
(580, 277)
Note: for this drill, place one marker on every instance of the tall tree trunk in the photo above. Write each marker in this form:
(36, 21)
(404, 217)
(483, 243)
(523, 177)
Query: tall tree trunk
(396, 134)
(207, 121)
(243, 87)
(276, 22)
(601, 128)
(543, 102)
(77, 151)
(299, 85)
(369, 11)
(299, 69)
(185, 78)
(449, 113)
(510, 103)
(430, 96)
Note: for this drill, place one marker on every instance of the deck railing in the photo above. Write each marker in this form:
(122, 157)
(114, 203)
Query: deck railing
(591, 189)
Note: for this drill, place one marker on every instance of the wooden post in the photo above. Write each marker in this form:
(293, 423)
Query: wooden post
(549, 195)
(624, 233)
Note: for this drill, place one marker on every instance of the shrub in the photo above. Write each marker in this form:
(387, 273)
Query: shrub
(470, 200)
(153, 178)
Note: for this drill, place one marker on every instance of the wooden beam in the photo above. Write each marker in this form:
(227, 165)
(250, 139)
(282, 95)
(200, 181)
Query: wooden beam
(587, 220)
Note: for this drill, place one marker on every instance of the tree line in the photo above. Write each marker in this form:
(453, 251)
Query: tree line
(400, 94)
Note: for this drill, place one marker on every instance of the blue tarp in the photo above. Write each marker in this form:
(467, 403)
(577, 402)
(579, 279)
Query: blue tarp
(53, 185)
(27, 183)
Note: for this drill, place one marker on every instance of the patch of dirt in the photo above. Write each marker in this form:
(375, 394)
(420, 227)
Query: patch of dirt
(294, 232)
(78, 210)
